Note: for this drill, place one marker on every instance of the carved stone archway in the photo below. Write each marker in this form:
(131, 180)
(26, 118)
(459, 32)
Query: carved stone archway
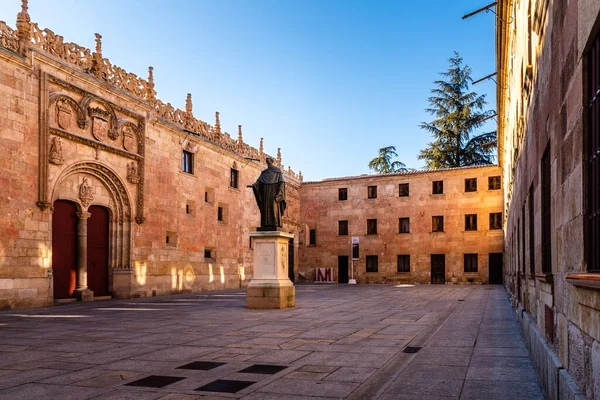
(91, 183)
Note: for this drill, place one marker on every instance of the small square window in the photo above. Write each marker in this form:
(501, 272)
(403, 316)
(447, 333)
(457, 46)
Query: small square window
(404, 263)
(372, 264)
(209, 254)
(233, 178)
(437, 224)
(496, 220)
(403, 189)
(343, 228)
(470, 262)
(343, 194)
(371, 227)
(404, 225)
(438, 187)
(187, 162)
(494, 183)
(372, 192)
(312, 237)
(471, 222)
(471, 185)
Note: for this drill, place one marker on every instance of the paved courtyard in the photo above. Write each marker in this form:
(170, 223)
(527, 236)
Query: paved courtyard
(357, 342)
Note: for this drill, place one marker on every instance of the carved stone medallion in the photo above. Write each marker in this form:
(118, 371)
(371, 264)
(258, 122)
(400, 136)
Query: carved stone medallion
(55, 157)
(128, 139)
(86, 193)
(63, 115)
(100, 129)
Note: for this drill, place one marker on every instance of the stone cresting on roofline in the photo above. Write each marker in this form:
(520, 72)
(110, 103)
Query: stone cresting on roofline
(413, 172)
(29, 35)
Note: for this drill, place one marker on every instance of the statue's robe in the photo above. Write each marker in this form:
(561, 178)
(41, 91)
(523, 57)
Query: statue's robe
(269, 191)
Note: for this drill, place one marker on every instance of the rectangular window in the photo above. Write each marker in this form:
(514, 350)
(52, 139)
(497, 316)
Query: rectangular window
(187, 162)
(312, 237)
(496, 220)
(531, 232)
(206, 197)
(523, 239)
(404, 263)
(403, 189)
(471, 222)
(372, 192)
(343, 228)
(438, 187)
(207, 253)
(372, 264)
(404, 225)
(371, 227)
(220, 213)
(437, 224)
(593, 157)
(470, 262)
(546, 213)
(233, 179)
(343, 194)
(494, 183)
(471, 185)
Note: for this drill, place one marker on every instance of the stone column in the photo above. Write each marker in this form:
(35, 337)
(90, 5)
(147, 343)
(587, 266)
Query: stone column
(81, 290)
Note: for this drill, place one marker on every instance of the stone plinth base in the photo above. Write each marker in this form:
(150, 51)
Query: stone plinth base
(270, 286)
(84, 295)
(270, 297)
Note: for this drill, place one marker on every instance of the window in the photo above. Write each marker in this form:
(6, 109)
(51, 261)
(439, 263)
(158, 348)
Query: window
(312, 237)
(404, 263)
(494, 183)
(471, 185)
(531, 232)
(404, 225)
(403, 189)
(437, 224)
(470, 262)
(342, 194)
(190, 208)
(438, 187)
(593, 164)
(523, 239)
(187, 162)
(220, 213)
(233, 179)
(209, 253)
(206, 197)
(209, 195)
(171, 239)
(371, 227)
(372, 264)
(471, 222)
(496, 220)
(343, 228)
(547, 213)
(372, 192)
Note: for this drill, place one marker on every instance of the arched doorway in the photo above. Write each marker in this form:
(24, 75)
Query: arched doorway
(97, 246)
(64, 248)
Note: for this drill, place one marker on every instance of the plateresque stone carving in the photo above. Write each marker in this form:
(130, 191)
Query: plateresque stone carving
(56, 156)
(132, 173)
(86, 194)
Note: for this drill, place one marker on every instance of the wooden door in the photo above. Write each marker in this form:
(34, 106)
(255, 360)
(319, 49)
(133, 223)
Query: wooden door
(64, 248)
(438, 268)
(495, 266)
(342, 269)
(97, 244)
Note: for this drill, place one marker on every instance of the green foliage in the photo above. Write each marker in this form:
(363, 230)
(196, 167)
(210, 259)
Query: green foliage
(383, 163)
(458, 113)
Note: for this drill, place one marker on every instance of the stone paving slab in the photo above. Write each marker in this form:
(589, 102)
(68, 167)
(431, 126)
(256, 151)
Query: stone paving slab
(339, 341)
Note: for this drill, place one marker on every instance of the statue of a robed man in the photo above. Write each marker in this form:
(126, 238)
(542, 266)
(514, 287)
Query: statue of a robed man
(269, 191)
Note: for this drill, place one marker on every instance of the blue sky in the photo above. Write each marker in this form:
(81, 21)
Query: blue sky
(330, 82)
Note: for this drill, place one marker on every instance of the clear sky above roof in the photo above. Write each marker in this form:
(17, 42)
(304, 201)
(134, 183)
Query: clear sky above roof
(330, 82)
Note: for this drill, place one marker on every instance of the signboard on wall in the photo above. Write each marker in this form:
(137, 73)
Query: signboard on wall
(323, 275)
(355, 248)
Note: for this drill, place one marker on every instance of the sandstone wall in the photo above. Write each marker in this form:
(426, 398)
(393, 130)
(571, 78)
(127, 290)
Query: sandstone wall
(320, 209)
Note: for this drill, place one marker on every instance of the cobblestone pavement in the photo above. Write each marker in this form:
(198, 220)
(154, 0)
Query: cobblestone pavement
(358, 342)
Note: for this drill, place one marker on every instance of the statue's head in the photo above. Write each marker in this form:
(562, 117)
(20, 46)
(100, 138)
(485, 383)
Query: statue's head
(270, 161)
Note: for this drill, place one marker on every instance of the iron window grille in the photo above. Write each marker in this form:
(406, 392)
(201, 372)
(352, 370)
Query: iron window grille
(437, 224)
(531, 232)
(403, 262)
(372, 263)
(233, 179)
(471, 222)
(546, 212)
(470, 262)
(495, 221)
(404, 225)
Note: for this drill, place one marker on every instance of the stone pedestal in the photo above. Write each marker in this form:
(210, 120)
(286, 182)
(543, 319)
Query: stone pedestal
(270, 286)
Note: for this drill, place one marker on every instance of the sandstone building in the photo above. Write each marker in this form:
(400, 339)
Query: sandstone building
(414, 227)
(548, 65)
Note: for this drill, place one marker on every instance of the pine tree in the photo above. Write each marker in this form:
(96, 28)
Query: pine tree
(383, 163)
(458, 113)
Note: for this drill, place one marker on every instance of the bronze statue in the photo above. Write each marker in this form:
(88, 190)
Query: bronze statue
(269, 191)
